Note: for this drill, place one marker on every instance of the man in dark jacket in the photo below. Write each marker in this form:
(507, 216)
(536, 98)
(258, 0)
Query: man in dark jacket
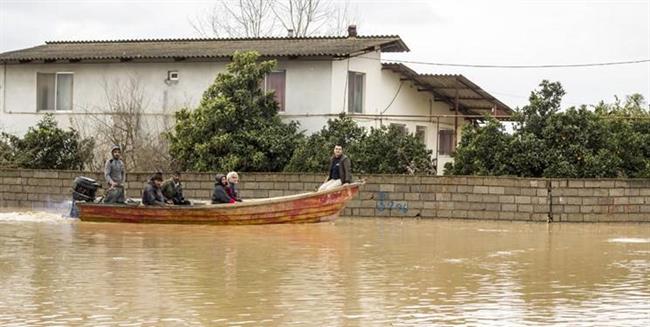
(172, 190)
(151, 195)
(220, 195)
(115, 175)
(340, 171)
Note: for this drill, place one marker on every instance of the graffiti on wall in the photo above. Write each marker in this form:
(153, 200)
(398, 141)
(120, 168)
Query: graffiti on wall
(385, 203)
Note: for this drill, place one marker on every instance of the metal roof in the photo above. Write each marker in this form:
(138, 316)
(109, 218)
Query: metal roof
(445, 87)
(208, 48)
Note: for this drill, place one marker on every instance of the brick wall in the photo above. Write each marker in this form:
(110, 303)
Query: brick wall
(471, 197)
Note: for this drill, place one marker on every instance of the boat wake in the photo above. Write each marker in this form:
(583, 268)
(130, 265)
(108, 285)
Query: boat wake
(33, 216)
(629, 240)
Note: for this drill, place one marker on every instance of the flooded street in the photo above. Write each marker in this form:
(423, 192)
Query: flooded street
(55, 271)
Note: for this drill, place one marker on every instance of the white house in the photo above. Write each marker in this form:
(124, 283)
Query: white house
(316, 79)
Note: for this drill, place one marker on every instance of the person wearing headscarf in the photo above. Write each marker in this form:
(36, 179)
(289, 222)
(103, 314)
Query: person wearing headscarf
(219, 194)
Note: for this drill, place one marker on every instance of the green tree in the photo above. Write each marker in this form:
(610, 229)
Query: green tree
(236, 126)
(483, 150)
(578, 144)
(385, 150)
(47, 146)
(611, 140)
(389, 150)
(313, 153)
(629, 125)
(530, 123)
(7, 150)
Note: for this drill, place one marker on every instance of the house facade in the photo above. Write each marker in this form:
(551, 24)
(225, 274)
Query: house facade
(316, 79)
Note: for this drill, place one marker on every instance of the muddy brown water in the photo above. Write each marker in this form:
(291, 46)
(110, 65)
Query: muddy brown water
(354, 272)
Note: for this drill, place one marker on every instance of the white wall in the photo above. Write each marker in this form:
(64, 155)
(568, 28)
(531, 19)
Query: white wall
(313, 87)
(383, 96)
(308, 88)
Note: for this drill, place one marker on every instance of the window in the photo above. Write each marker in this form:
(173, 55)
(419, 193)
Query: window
(276, 81)
(401, 127)
(421, 133)
(446, 141)
(355, 92)
(54, 91)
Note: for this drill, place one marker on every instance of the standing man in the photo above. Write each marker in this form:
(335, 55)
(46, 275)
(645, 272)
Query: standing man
(340, 170)
(115, 175)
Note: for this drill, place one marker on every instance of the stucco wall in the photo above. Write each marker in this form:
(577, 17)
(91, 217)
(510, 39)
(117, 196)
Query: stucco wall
(307, 83)
(314, 88)
(384, 96)
(464, 197)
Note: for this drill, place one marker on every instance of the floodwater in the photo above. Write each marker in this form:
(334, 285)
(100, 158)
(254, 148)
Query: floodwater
(354, 272)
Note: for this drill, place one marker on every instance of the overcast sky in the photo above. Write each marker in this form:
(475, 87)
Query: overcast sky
(461, 32)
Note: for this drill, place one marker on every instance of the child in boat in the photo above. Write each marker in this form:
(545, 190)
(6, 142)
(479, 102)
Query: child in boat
(219, 195)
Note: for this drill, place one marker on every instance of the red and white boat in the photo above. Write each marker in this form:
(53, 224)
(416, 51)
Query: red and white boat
(310, 207)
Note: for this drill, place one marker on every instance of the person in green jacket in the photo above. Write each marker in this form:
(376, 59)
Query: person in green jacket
(172, 190)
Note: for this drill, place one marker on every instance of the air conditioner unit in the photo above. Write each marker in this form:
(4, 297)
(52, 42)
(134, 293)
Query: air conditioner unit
(172, 75)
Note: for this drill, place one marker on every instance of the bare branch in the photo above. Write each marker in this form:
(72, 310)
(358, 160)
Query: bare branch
(255, 18)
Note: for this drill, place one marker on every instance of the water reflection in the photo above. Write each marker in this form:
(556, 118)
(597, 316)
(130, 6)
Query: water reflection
(352, 272)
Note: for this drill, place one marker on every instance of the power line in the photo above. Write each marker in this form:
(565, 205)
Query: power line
(612, 63)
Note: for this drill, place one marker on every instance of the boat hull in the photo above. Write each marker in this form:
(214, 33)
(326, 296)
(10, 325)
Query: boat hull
(301, 208)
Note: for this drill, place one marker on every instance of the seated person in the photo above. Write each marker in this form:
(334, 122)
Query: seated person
(172, 190)
(219, 195)
(231, 189)
(340, 171)
(151, 194)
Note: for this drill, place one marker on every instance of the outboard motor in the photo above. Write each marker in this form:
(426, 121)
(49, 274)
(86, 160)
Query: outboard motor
(84, 189)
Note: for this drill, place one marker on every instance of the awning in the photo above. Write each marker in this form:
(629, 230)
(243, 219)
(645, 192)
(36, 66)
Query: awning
(472, 100)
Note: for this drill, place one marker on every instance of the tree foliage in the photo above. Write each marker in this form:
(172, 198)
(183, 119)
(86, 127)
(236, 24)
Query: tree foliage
(389, 150)
(46, 146)
(609, 141)
(314, 152)
(385, 150)
(236, 126)
(484, 150)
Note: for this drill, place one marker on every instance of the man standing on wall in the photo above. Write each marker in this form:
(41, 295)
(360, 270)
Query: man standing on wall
(340, 170)
(115, 175)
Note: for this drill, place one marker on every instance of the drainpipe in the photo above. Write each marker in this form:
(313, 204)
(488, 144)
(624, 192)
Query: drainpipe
(456, 118)
(437, 143)
(4, 87)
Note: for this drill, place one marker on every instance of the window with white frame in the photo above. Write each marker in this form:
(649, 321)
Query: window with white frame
(446, 141)
(400, 127)
(54, 91)
(421, 133)
(276, 81)
(355, 92)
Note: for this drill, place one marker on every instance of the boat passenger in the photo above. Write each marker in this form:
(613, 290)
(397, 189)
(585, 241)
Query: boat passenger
(172, 190)
(115, 175)
(219, 195)
(231, 189)
(340, 170)
(151, 195)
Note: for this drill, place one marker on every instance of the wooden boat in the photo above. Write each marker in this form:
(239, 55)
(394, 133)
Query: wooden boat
(310, 207)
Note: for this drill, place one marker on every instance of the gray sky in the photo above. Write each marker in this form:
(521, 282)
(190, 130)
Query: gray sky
(499, 32)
